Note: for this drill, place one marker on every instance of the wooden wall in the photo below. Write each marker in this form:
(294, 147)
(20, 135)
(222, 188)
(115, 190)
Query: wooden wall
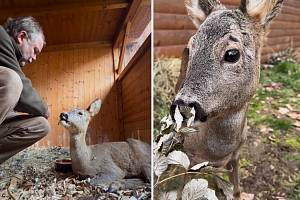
(173, 28)
(135, 95)
(70, 78)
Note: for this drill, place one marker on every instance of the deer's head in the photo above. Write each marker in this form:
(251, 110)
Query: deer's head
(224, 55)
(76, 121)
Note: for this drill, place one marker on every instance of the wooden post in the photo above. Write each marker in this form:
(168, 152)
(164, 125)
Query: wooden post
(121, 59)
(120, 110)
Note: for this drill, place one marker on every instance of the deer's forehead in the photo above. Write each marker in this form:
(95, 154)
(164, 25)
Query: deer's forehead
(220, 23)
(76, 110)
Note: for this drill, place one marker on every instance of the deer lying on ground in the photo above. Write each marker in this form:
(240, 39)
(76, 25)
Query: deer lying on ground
(219, 75)
(108, 161)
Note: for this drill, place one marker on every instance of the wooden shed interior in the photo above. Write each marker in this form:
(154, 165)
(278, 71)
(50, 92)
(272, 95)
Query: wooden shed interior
(95, 49)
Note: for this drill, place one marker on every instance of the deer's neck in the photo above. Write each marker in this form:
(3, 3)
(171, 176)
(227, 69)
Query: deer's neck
(217, 138)
(80, 153)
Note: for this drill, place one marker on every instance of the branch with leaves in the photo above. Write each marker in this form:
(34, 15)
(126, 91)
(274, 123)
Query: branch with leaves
(198, 180)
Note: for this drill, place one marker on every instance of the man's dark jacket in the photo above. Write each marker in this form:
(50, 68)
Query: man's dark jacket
(30, 102)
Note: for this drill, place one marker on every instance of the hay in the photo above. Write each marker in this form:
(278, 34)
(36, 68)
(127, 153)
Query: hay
(165, 73)
(30, 175)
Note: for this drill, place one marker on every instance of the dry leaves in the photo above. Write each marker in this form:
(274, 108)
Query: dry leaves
(167, 152)
(198, 189)
(273, 86)
(37, 179)
(246, 196)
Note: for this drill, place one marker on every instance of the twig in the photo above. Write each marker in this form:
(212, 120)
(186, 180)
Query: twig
(12, 182)
(184, 173)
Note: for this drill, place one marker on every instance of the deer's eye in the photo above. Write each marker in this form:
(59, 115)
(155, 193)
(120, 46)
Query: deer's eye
(80, 113)
(232, 55)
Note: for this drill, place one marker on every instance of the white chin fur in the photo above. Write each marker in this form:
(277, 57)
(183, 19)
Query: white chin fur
(64, 123)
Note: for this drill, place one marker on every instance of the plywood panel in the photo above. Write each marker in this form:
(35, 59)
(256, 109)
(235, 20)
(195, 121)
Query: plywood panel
(71, 78)
(173, 28)
(136, 98)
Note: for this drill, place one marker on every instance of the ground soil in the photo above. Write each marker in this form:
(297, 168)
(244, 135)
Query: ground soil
(267, 174)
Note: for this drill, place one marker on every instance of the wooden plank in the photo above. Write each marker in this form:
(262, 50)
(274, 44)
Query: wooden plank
(132, 111)
(174, 37)
(144, 135)
(286, 24)
(280, 47)
(177, 6)
(281, 40)
(55, 9)
(131, 104)
(288, 17)
(129, 17)
(136, 94)
(145, 47)
(145, 114)
(120, 110)
(133, 90)
(123, 49)
(293, 3)
(143, 124)
(116, 57)
(72, 46)
(290, 9)
(284, 32)
(165, 6)
(171, 16)
(174, 51)
(138, 75)
(173, 21)
(167, 21)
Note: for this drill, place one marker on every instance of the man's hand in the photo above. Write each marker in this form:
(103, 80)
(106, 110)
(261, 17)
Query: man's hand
(47, 114)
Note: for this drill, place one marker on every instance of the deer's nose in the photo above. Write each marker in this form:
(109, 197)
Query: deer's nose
(63, 116)
(200, 115)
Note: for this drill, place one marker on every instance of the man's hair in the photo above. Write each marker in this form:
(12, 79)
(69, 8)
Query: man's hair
(13, 26)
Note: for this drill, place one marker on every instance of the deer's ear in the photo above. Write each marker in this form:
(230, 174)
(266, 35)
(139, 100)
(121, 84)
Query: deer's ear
(198, 10)
(263, 11)
(94, 108)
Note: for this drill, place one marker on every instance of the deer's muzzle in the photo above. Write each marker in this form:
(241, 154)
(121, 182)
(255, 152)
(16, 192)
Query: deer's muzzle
(63, 117)
(184, 105)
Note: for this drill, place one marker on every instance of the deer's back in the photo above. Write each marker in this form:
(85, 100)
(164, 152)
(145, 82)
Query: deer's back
(119, 154)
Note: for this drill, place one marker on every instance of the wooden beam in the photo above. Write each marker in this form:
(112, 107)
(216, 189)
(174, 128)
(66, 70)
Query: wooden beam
(130, 15)
(71, 46)
(75, 7)
(121, 60)
(146, 45)
(120, 110)
(116, 57)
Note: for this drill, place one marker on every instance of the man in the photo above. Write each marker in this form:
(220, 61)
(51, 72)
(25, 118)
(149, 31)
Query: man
(21, 40)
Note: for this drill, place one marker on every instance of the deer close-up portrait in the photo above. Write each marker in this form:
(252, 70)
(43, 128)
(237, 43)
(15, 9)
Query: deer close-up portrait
(219, 75)
(222, 75)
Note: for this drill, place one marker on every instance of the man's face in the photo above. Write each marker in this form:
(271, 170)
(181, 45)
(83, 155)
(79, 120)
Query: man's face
(29, 48)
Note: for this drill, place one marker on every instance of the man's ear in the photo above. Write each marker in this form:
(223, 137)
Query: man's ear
(94, 108)
(21, 36)
(263, 11)
(198, 10)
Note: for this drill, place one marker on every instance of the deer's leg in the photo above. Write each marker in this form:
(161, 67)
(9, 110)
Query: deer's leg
(233, 165)
(142, 152)
(123, 184)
